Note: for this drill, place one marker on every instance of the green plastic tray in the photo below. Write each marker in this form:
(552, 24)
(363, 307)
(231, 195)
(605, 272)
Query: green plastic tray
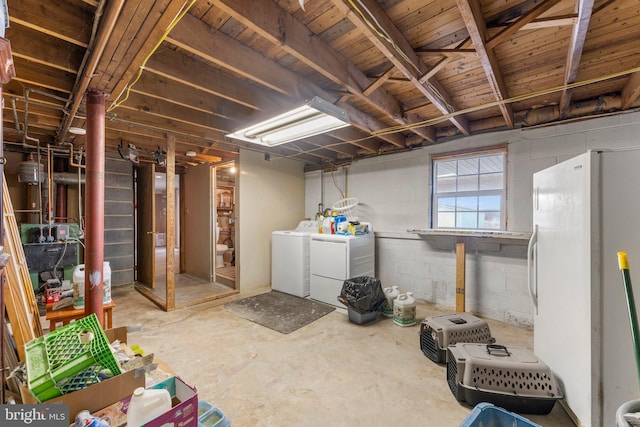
(60, 362)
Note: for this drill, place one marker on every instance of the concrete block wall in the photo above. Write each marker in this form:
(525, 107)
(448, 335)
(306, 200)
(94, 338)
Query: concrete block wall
(394, 192)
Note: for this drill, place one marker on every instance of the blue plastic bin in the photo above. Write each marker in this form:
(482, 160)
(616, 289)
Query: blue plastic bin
(489, 415)
(210, 416)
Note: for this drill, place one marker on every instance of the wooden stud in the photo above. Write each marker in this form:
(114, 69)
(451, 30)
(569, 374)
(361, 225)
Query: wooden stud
(460, 279)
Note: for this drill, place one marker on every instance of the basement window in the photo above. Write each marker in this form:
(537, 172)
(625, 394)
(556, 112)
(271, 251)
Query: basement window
(469, 190)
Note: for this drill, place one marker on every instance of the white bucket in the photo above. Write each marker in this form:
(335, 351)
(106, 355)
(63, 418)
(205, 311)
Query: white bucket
(146, 405)
(390, 294)
(78, 285)
(404, 310)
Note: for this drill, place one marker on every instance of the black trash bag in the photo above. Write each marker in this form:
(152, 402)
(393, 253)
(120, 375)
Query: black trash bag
(363, 294)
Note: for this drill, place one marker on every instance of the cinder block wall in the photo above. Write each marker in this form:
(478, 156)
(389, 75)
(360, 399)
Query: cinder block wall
(395, 197)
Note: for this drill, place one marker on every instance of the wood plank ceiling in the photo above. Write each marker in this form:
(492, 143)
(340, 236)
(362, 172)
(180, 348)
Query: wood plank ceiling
(408, 72)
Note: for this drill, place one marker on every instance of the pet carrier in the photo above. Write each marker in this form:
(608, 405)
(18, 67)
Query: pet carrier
(439, 332)
(512, 378)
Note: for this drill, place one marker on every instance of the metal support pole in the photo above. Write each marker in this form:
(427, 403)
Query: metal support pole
(94, 209)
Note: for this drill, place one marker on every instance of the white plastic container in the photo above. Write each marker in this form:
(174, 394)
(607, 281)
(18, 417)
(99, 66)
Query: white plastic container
(78, 285)
(106, 272)
(404, 310)
(390, 294)
(147, 404)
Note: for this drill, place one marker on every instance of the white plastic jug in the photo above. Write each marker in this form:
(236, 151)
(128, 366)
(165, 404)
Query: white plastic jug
(390, 294)
(106, 287)
(78, 286)
(147, 404)
(404, 310)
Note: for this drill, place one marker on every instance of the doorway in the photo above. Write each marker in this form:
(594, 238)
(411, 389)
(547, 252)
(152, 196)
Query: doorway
(225, 201)
(191, 275)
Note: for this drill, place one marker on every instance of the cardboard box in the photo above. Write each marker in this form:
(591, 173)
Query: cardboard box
(97, 396)
(183, 412)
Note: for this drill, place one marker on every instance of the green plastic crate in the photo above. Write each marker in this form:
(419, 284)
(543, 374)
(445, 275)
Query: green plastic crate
(59, 362)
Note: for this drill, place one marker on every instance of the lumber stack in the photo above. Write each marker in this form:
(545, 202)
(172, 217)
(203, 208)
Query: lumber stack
(20, 301)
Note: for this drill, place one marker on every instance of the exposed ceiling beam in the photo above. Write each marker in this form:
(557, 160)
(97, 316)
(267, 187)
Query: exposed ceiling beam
(278, 26)
(198, 38)
(196, 74)
(92, 57)
(135, 60)
(379, 81)
(474, 21)
(631, 90)
(519, 23)
(578, 36)
(400, 52)
(66, 23)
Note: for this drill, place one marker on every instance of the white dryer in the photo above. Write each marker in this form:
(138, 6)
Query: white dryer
(335, 258)
(290, 261)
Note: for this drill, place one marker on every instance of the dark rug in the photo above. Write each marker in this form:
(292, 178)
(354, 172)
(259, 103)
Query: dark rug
(279, 311)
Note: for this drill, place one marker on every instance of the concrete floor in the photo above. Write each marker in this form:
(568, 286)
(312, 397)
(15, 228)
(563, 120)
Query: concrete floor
(329, 373)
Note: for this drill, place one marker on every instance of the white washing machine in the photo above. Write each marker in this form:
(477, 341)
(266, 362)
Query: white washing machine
(290, 259)
(335, 258)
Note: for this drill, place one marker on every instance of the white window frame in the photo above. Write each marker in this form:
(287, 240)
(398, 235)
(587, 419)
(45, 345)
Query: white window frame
(436, 194)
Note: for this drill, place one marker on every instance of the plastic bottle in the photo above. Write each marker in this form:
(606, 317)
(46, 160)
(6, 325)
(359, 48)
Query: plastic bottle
(78, 286)
(404, 310)
(147, 404)
(390, 294)
(106, 273)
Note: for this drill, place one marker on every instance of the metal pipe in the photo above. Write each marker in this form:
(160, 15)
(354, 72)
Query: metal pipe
(68, 178)
(102, 32)
(25, 130)
(94, 235)
(61, 189)
(71, 162)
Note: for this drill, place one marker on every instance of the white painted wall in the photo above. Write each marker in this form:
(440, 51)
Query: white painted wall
(394, 196)
(270, 196)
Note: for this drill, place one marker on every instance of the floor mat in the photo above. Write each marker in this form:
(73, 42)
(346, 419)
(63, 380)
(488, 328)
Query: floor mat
(279, 311)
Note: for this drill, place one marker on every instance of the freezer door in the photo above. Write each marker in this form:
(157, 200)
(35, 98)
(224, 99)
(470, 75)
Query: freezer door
(566, 315)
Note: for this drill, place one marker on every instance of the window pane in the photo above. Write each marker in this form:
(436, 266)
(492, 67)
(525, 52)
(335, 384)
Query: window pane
(446, 219)
(468, 183)
(444, 169)
(467, 220)
(446, 185)
(491, 181)
(446, 204)
(469, 191)
(491, 164)
(489, 220)
(468, 166)
(489, 203)
(467, 203)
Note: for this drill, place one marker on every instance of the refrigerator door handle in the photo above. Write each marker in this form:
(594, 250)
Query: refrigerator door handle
(530, 268)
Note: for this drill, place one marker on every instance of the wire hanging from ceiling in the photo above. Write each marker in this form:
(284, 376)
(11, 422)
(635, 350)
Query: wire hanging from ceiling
(127, 90)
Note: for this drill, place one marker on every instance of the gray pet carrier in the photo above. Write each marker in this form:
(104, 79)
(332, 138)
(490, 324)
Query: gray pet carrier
(512, 378)
(439, 332)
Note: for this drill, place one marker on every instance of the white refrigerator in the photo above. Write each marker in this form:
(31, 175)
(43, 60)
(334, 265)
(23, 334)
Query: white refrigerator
(585, 210)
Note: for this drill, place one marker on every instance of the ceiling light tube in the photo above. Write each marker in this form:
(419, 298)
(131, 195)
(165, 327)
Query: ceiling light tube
(316, 117)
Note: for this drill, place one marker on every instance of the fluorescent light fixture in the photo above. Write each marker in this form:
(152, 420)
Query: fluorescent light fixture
(191, 153)
(77, 130)
(315, 117)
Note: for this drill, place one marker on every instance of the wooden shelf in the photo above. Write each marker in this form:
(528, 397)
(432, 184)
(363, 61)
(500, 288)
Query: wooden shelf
(485, 234)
